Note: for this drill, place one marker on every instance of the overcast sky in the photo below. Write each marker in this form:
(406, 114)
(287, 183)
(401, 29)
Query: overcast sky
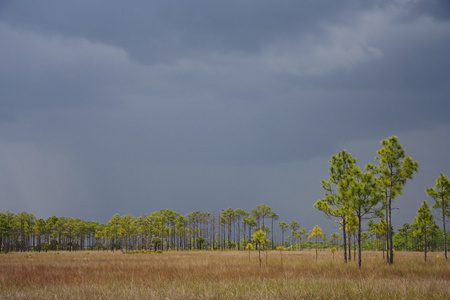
(129, 107)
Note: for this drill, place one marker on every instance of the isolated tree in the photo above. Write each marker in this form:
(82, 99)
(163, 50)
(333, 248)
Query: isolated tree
(281, 249)
(441, 195)
(259, 237)
(335, 205)
(394, 169)
(333, 249)
(316, 232)
(249, 247)
(424, 224)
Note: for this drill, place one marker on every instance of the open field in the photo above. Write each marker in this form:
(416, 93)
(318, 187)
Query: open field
(220, 275)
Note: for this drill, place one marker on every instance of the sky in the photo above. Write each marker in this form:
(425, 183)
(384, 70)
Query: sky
(130, 107)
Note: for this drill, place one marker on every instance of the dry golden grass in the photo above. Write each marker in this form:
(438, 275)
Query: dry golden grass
(220, 275)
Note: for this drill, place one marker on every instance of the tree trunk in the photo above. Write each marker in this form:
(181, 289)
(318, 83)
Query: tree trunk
(349, 246)
(443, 227)
(272, 235)
(316, 247)
(344, 234)
(359, 242)
(259, 254)
(389, 229)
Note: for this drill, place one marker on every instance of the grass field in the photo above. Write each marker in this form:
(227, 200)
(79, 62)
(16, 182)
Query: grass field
(220, 275)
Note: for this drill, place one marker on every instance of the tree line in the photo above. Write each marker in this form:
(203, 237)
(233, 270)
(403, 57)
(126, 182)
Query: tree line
(353, 195)
(161, 230)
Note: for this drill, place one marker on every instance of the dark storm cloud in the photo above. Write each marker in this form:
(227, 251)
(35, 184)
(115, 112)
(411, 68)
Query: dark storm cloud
(200, 104)
(160, 31)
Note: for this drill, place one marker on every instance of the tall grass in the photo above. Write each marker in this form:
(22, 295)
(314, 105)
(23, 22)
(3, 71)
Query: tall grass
(219, 275)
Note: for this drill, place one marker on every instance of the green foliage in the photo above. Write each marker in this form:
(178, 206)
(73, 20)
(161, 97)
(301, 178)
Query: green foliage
(259, 237)
(424, 225)
(393, 170)
(315, 232)
(284, 227)
(441, 195)
(338, 191)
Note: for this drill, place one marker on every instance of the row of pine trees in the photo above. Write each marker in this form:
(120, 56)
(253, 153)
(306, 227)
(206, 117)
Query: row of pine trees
(161, 230)
(230, 229)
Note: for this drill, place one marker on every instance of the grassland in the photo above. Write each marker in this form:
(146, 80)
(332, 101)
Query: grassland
(220, 275)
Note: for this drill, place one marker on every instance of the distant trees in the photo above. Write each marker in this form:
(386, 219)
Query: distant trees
(404, 232)
(160, 230)
(284, 227)
(335, 238)
(24, 232)
(294, 227)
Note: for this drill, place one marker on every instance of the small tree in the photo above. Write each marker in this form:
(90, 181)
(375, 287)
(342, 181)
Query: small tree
(441, 195)
(335, 238)
(316, 232)
(424, 224)
(281, 249)
(332, 251)
(249, 247)
(260, 239)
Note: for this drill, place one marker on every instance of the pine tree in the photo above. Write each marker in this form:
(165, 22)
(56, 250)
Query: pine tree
(441, 195)
(394, 169)
(424, 225)
(335, 205)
